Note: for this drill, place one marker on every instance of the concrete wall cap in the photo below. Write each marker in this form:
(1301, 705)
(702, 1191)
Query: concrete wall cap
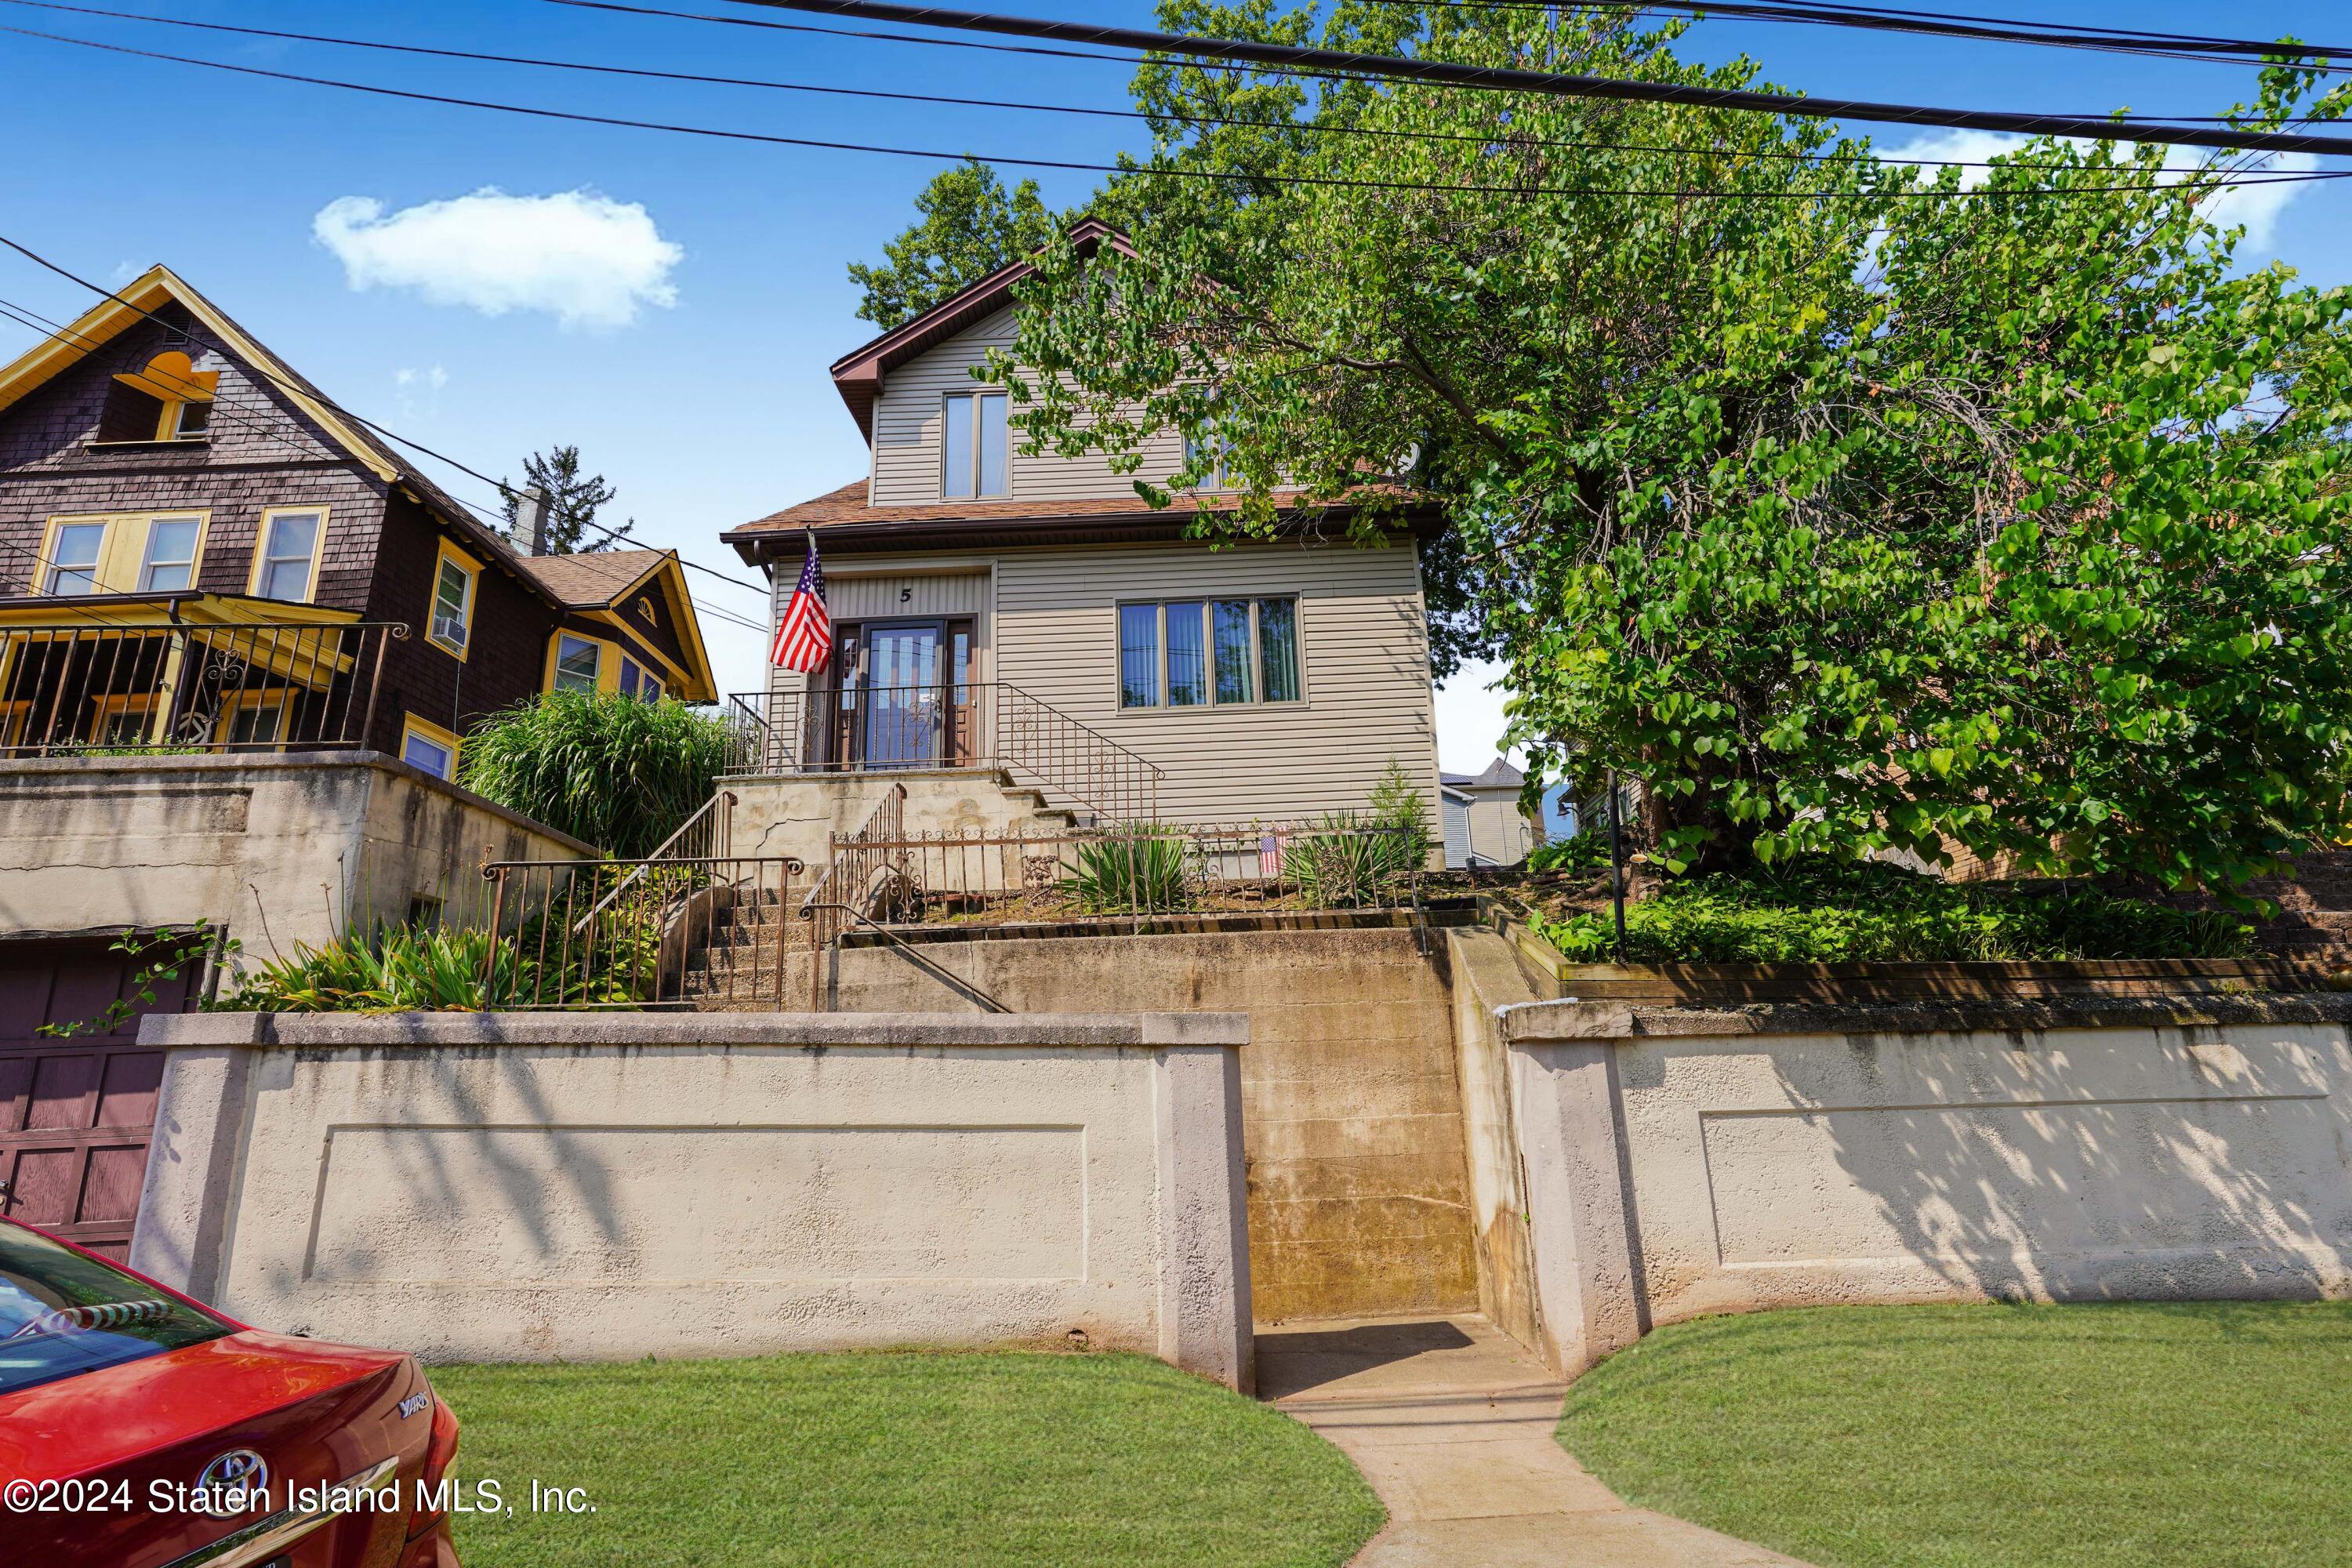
(640, 1030)
(119, 770)
(1535, 1023)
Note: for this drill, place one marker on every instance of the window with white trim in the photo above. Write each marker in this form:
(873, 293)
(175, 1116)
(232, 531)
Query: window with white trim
(578, 662)
(168, 565)
(74, 553)
(288, 555)
(1199, 653)
(453, 605)
(975, 463)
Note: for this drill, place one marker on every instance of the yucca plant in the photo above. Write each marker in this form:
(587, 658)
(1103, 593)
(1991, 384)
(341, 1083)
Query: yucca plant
(1353, 860)
(620, 774)
(390, 969)
(1131, 871)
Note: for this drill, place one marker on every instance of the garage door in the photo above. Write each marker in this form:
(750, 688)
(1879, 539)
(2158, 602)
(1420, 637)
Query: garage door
(75, 1114)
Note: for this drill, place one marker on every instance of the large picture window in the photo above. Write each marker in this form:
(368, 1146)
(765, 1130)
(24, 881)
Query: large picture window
(1193, 653)
(974, 465)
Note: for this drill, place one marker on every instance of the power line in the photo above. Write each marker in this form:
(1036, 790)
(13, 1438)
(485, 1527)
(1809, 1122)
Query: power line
(1564, 84)
(2112, 40)
(312, 393)
(1484, 139)
(1171, 170)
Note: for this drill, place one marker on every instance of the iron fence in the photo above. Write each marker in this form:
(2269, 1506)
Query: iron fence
(880, 729)
(682, 930)
(94, 688)
(886, 874)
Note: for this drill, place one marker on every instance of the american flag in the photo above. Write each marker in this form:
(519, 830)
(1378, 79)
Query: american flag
(804, 636)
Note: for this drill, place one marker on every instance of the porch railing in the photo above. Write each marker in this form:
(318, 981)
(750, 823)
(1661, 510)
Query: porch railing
(970, 724)
(93, 687)
(680, 931)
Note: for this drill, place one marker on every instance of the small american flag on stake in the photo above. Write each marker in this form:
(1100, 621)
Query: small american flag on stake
(804, 636)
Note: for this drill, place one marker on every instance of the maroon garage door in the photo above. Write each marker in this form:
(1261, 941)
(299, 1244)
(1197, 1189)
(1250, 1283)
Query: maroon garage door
(75, 1114)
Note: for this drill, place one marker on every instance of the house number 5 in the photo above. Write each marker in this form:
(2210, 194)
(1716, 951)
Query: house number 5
(906, 596)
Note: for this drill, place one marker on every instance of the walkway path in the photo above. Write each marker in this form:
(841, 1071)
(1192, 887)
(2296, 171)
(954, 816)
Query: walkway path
(1452, 1422)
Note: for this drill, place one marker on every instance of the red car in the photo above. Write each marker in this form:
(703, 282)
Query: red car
(140, 1429)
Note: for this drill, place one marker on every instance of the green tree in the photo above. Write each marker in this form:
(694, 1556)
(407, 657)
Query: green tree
(573, 500)
(970, 226)
(1845, 508)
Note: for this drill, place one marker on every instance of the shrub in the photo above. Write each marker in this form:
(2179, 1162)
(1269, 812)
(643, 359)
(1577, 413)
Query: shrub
(400, 969)
(1825, 912)
(1134, 870)
(1400, 807)
(620, 774)
(1583, 853)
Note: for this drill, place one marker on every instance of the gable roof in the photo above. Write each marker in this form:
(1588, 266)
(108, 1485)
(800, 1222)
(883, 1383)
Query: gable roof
(597, 583)
(1499, 775)
(136, 301)
(857, 375)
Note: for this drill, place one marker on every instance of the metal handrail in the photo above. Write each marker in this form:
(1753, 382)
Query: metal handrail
(936, 972)
(725, 846)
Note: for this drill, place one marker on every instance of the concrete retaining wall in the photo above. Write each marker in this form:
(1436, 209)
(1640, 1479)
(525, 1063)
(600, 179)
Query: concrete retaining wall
(534, 1186)
(275, 849)
(1681, 1162)
(1357, 1198)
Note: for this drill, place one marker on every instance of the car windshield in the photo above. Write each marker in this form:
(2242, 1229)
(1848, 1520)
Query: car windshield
(63, 1312)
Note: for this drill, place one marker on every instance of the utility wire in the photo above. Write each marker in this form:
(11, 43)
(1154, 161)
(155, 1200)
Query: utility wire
(1483, 139)
(2112, 40)
(1563, 84)
(1171, 170)
(312, 393)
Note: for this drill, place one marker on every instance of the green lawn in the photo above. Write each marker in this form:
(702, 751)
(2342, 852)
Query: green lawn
(2211, 1435)
(898, 1458)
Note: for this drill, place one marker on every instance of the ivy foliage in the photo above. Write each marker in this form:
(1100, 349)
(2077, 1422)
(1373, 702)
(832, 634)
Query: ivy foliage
(1846, 508)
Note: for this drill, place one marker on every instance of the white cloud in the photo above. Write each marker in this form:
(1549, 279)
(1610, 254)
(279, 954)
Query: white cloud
(584, 258)
(419, 389)
(2257, 207)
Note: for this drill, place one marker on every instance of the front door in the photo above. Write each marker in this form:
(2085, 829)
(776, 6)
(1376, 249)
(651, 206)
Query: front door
(903, 705)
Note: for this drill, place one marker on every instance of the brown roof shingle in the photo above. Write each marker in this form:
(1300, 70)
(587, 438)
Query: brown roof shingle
(848, 507)
(592, 577)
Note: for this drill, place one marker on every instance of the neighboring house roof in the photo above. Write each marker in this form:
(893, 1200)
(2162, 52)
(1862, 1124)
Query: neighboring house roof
(857, 375)
(594, 587)
(598, 583)
(1499, 775)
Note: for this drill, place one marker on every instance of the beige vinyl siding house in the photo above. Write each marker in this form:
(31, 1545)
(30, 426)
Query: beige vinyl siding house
(1023, 565)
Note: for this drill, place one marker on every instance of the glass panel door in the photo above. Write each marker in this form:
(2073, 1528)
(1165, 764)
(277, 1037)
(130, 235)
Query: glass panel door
(903, 699)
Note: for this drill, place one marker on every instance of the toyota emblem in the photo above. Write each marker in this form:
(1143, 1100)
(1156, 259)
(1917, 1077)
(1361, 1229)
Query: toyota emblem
(237, 1482)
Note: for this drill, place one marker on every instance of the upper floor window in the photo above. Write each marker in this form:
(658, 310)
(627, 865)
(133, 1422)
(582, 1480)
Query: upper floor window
(453, 601)
(1212, 453)
(1196, 653)
(133, 553)
(579, 662)
(639, 682)
(286, 557)
(975, 465)
(168, 400)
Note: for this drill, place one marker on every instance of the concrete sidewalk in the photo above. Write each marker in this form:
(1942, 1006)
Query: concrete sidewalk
(1452, 1423)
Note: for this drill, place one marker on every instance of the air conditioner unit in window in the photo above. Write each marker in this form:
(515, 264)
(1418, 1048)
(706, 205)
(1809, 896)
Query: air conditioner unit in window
(450, 630)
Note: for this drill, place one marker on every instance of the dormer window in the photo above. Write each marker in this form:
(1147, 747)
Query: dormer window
(169, 400)
(975, 465)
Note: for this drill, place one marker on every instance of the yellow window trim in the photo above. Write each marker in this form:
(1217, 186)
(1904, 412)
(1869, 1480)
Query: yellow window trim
(123, 549)
(410, 724)
(674, 675)
(318, 555)
(608, 661)
(279, 697)
(473, 570)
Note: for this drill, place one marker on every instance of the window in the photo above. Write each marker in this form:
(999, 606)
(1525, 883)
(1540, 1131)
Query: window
(453, 601)
(285, 566)
(639, 682)
(125, 725)
(1194, 652)
(578, 661)
(976, 460)
(168, 565)
(428, 748)
(169, 400)
(74, 552)
(186, 421)
(255, 725)
(1209, 450)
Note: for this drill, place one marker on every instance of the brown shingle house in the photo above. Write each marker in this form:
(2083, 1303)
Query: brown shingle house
(200, 552)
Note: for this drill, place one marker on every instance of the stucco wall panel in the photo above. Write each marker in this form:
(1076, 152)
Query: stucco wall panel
(525, 1186)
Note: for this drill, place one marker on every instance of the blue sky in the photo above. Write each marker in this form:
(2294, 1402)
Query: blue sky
(684, 347)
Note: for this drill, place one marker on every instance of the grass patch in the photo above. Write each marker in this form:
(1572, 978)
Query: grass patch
(2211, 1435)
(1820, 911)
(889, 1459)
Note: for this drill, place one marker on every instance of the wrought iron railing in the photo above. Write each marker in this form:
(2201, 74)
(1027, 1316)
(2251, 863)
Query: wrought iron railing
(98, 688)
(904, 878)
(680, 931)
(972, 724)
